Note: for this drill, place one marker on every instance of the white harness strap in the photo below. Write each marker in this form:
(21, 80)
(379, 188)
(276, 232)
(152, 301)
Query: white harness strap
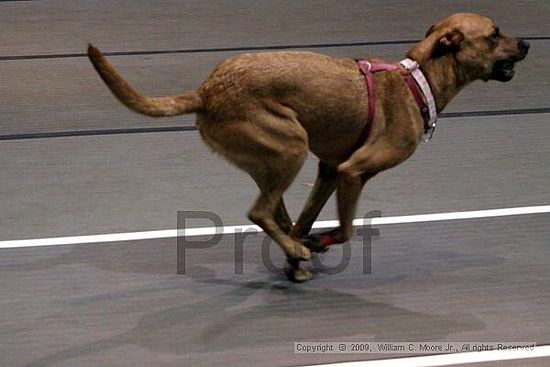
(414, 70)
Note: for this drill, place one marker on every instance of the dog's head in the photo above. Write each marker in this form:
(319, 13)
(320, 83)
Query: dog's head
(480, 49)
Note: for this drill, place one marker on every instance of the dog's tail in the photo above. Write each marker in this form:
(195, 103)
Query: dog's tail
(152, 106)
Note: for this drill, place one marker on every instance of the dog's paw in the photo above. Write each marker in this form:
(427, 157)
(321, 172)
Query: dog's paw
(297, 274)
(299, 253)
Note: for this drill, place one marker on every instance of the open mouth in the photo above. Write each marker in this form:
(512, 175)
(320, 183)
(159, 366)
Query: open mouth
(503, 70)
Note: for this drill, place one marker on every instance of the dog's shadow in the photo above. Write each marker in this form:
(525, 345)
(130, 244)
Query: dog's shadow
(258, 308)
(257, 313)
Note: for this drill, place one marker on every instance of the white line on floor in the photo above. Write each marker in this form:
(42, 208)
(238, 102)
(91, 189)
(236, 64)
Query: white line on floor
(209, 231)
(448, 359)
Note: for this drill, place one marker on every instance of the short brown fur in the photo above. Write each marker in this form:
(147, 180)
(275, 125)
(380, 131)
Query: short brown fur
(264, 111)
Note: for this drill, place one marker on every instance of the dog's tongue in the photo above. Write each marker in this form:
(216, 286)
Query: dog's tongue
(509, 73)
(507, 69)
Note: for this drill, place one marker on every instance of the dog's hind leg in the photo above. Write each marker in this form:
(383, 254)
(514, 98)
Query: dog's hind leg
(264, 214)
(271, 150)
(267, 209)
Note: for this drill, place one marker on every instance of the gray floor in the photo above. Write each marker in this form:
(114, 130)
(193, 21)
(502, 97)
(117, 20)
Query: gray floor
(122, 303)
(87, 305)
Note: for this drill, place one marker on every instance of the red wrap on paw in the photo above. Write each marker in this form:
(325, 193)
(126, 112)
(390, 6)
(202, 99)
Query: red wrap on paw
(327, 239)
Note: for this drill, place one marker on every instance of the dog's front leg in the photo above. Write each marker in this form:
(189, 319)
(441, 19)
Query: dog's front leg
(348, 192)
(324, 186)
(282, 217)
(352, 175)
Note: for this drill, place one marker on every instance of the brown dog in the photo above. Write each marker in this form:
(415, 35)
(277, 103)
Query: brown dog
(264, 111)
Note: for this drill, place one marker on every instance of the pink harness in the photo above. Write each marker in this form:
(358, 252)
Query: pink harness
(368, 69)
(419, 91)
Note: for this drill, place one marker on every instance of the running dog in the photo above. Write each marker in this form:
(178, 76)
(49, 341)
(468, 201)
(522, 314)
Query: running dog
(263, 112)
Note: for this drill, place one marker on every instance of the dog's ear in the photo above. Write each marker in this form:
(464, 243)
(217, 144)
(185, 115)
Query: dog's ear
(440, 40)
(450, 41)
(430, 31)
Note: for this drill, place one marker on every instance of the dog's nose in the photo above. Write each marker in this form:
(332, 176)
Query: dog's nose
(523, 46)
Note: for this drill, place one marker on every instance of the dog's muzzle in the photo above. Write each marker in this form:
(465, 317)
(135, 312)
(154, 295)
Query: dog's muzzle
(503, 70)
